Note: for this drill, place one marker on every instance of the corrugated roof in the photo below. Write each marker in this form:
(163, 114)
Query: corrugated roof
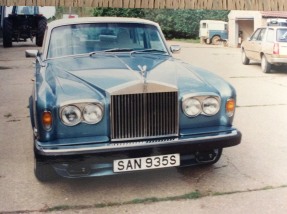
(274, 14)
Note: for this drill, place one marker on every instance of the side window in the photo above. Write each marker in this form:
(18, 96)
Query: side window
(270, 35)
(261, 34)
(255, 35)
(282, 35)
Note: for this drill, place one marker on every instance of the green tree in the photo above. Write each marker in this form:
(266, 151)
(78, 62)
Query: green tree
(174, 23)
(119, 12)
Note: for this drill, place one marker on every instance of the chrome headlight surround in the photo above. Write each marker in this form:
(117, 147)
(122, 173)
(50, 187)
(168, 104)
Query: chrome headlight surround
(71, 115)
(88, 111)
(191, 107)
(210, 104)
(93, 113)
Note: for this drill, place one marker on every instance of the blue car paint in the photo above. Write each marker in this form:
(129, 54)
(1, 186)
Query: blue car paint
(72, 79)
(60, 84)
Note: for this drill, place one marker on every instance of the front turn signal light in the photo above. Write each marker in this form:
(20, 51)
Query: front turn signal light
(230, 107)
(47, 120)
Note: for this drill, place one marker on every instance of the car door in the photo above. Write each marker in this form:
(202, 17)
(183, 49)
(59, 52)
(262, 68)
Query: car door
(258, 44)
(268, 44)
(253, 46)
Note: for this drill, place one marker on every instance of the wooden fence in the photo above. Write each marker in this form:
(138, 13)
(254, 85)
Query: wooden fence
(262, 5)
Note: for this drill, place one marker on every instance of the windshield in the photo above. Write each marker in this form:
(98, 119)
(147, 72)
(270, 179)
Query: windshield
(25, 10)
(282, 35)
(87, 38)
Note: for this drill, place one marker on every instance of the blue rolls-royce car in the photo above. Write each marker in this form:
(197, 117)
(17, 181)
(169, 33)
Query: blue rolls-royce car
(109, 98)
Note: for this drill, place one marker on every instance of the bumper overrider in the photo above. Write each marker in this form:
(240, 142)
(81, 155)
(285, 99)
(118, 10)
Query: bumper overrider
(96, 159)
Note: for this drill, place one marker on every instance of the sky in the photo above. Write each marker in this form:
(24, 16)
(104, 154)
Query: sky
(48, 12)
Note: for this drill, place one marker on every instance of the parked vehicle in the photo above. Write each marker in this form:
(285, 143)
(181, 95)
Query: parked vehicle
(267, 45)
(109, 98)
(213, 31)
(24, 23)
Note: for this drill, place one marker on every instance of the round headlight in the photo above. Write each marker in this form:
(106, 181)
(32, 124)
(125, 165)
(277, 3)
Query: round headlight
(71, 115)
(210, 106)
(191, 107)
(93, 113)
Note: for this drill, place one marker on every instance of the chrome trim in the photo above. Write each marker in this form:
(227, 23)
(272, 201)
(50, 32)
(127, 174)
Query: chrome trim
(144, 115)
(201, 97)
(110, 146)
(80, 104)
(140, 87)
(35, 131)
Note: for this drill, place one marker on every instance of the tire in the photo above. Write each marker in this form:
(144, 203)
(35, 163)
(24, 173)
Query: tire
(7, 33)
(44, 172)
(245, 60)
(215, 40)
(42, 23)
(265, 65)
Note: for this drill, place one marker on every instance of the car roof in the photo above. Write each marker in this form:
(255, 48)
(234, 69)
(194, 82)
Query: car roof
(275, 26)
(87, 20)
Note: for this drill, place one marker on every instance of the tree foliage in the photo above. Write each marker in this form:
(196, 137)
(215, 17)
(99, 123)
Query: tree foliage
(120, 12)
(174, 23)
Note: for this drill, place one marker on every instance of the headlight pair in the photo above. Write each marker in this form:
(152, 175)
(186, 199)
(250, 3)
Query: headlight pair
(195, 105)
(73, 114)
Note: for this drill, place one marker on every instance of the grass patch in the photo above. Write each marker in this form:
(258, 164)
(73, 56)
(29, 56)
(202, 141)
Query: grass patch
(197, 41)
(58, 208)
(189, 196)
(8, 115)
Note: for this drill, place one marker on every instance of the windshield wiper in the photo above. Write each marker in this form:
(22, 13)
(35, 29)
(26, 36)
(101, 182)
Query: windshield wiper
(111, 51)
(118, 50)
(154, 51)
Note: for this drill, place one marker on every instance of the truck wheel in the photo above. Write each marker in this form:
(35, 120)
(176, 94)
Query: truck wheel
(44, 172)
(42, 23)
(7, 33)
(265, 65)
(245, 60)
(215, 40)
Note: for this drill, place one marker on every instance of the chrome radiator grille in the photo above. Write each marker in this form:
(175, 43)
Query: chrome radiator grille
(146, 115)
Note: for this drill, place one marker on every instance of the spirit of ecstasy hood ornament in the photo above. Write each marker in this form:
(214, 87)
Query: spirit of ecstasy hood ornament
(143, 71)
(144, 75)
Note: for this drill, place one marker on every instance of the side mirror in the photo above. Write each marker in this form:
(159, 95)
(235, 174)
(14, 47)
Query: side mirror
(175, 48)
(31, 53)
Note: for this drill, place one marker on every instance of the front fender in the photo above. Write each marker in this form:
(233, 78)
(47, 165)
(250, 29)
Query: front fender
(31, 110)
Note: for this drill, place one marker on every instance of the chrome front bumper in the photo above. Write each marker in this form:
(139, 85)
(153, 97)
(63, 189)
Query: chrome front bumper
(196, 142)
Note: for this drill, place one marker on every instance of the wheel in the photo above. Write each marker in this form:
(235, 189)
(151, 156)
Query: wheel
(42, 23)
(7, 33)
(44, 172)
(265, 65)
(244, 58)
(208, 157)
(215, 40)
